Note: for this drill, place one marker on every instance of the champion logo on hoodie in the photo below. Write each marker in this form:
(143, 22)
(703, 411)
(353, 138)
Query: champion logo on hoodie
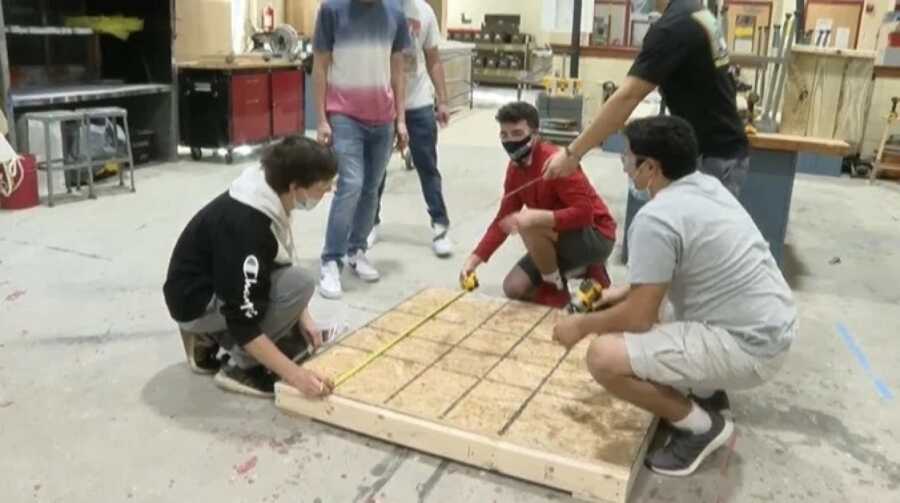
(251, 277)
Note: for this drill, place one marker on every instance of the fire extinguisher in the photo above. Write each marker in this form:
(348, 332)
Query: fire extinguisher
(269, 18)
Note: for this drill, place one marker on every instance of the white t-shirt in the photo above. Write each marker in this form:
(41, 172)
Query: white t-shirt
(424, 34)
(697, 237)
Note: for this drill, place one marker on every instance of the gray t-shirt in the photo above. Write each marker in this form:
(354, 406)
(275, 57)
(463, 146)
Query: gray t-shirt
(696, 236)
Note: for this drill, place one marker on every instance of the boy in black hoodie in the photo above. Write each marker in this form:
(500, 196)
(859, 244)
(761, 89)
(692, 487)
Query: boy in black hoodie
(232, 282)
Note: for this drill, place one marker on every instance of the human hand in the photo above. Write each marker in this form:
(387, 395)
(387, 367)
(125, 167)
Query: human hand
(402, 135)
(309, 383)
(560, 165)
(469, 267)
(323, 133)
(311, 332)
(568, 331)
(443, 115)
(613, 295)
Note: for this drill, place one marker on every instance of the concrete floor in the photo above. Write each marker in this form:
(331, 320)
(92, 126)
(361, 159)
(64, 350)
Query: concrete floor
(97, 404)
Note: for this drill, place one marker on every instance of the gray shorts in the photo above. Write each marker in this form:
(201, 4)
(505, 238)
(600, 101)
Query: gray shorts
(574, 249)
(731, 172)
(693, 355)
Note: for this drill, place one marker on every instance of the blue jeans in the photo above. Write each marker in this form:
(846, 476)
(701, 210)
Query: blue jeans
(362, 152)
(422, 127)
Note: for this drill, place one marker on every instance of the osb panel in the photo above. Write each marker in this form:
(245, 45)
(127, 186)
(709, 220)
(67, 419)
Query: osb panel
(487, 408)
(470, 311)
(544, 329)
(380, 379)
(336, 361)
(575, 360)
(516, 318)
(488, 341)
(536, 352)
(572, 384)
(440, 331)
(598, 428)
(516, 373)
(418, 350)
(368, 339)
(468, 362)
(421, 399)
(426, 302)
(397, 323)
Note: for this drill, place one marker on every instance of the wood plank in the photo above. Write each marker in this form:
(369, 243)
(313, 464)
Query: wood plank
(538, 352)
(832, 52)
(396, 322)
(596, 481)
(426, 302)
(335, 361)
(468, 362)
(826, 95)
(418, 350)
(544, 329)
(380, 380)
(441, 331)
(518, 373)
(887, 72)
(798, 90)
(471, 311)
(367, 339)
(852, 115)
(795, 143)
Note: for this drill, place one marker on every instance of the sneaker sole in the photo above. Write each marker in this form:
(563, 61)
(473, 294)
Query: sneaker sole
(720, 440)
(187, 340)
(364, 277)
(229, 384)
(330, 295)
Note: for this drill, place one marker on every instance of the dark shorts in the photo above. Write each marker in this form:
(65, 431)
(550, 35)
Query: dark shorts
(575, 249)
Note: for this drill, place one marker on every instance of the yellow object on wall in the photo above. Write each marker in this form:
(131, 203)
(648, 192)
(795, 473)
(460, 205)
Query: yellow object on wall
(118, 26)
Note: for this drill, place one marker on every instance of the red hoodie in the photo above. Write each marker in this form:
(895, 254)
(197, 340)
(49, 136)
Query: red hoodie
(573, 200)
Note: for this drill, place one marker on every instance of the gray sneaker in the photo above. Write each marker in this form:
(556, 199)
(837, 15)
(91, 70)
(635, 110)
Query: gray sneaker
(686, 451)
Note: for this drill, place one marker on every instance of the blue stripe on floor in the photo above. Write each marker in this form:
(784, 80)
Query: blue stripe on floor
(883, 390)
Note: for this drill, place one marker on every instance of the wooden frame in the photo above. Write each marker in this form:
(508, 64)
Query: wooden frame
(478, 380)
(626, 6)
(834, 7)
(756, 8)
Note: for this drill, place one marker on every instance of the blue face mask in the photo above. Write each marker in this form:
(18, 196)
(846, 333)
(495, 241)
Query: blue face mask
(639, 194)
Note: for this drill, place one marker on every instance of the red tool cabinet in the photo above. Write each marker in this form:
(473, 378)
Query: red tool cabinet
(224, 107)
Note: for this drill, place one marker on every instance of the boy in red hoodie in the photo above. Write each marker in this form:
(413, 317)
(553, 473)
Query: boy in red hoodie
(565, 226)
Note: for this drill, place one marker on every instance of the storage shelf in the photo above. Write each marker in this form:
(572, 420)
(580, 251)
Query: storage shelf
(491, 46)
(47, 30)
(76, 94)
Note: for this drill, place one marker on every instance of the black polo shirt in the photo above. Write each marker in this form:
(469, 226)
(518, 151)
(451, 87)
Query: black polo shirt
(685, 54)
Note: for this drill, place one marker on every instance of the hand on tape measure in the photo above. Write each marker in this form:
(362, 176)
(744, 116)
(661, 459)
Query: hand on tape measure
(469, 282)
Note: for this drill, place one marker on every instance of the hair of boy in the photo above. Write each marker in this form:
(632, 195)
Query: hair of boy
(299, 160)
(668, 139)
(517, 111)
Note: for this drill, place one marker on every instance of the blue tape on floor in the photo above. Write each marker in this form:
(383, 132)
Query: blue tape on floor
(857, 352)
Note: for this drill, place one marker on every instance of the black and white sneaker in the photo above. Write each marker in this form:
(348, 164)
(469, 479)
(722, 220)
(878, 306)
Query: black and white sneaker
(294, 345)
(717, 402)
(686, 451)
(201, 351)
(255, 381)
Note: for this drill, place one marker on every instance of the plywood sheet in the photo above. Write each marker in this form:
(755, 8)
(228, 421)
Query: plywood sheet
(488, 341)
(513, 402)
(798, 88)
(487, 408)
(597, 428)
(544, 329)
(516, 318)
(426, 302)
(826, 96)
(419, 398)
(852, 117)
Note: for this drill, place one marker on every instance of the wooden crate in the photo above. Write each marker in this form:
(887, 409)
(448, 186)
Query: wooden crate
(483, 384)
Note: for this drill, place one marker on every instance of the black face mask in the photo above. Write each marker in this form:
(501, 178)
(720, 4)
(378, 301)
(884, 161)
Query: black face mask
(518, 150)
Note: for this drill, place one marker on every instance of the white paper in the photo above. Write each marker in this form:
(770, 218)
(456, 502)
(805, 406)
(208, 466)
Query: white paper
(556, 15)
(842, 38)
(743, 46)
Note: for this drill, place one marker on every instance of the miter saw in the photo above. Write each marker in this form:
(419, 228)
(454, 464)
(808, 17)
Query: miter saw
(282, 42)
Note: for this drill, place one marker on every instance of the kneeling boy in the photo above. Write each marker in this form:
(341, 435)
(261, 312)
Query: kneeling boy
(565, 226)
(232, 281)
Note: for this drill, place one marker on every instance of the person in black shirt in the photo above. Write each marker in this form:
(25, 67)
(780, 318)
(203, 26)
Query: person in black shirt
(685, 55)
(232, 279)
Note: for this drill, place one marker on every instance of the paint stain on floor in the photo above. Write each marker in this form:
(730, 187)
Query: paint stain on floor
(246, 466)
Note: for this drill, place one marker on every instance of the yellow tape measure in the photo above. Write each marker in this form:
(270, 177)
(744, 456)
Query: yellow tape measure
(372, 357)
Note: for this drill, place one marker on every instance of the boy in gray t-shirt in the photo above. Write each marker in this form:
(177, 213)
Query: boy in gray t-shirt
(729, 318)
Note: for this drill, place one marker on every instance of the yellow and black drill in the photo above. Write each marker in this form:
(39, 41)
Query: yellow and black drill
(587, 298)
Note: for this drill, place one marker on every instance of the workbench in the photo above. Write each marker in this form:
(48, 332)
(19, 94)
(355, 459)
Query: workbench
(767, 192)
(247, 101)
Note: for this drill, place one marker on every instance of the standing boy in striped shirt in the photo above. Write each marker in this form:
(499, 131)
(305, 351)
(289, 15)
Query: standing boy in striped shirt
(359, 93)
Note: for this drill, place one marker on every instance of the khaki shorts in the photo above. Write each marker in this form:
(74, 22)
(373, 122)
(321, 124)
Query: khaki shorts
(693, 355)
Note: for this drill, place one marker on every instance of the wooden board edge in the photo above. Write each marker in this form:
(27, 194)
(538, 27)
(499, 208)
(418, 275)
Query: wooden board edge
(638, 464)
(795, 143)
(600, 482)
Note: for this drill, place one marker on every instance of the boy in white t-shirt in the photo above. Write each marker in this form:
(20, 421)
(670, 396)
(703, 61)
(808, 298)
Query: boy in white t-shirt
(424, 79)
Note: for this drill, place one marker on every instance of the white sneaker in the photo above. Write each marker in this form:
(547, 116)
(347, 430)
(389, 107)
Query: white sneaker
(440, 243)
(373, 238)
(363, 268)
(330, 281)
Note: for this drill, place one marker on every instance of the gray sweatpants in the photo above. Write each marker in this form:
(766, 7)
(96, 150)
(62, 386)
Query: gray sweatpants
(731, 172)
(291, 290)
